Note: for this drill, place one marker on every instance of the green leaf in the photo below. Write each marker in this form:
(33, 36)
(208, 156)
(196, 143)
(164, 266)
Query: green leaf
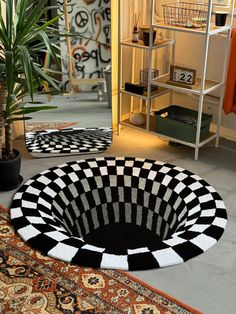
(2, 69)
(27, 65)
(35, 103)
(3, 31)
(28, 110)
(11, 120)
(46, 77)
(21, 8)
(50, 22)
(9, 71)
(52, 71)
(9, 20)
(50, 49)
(16, 107)
(32, 18)
(20, 91)
(37, 82)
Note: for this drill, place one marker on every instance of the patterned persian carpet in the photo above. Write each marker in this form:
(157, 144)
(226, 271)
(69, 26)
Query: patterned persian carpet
(36, 284)
(40, 126)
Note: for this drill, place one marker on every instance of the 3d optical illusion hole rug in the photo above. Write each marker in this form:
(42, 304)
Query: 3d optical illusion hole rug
(119, 213)
(74, 140)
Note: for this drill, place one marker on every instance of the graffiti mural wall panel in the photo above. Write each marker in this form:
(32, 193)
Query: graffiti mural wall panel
(90, 21)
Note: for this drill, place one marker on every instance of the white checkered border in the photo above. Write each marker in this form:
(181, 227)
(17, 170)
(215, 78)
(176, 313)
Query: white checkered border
(53, 210)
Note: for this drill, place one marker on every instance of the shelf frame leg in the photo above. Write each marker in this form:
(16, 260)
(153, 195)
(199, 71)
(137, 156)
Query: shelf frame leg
(219, 119)
(151, 22)
(119, 71)
(172, 62)
(203, 80)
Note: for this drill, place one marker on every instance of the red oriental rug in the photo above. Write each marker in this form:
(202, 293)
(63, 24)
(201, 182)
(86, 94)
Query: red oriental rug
(40, 126)
(36, 284)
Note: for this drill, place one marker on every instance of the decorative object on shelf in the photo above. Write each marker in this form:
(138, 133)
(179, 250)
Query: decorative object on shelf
(220, 18)
(144, 78)
(185, 14)
(135, 34)
(141, 29)
(119, 213)
(134, 88)
(181, 75)
(181, 123)
(146, 36)
(136, 118)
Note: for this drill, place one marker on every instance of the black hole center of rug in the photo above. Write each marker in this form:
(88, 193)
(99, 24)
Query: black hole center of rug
(122, 236)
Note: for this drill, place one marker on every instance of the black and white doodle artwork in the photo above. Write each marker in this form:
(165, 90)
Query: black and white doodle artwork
(90, 20)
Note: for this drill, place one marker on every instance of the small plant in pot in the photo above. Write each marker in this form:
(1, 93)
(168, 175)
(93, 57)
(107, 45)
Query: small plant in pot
(23, 35)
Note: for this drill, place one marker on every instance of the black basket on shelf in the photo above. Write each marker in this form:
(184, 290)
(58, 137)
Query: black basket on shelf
(185, 14)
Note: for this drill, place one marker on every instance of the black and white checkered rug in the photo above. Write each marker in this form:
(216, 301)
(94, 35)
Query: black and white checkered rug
(73, 140)
(61, 209)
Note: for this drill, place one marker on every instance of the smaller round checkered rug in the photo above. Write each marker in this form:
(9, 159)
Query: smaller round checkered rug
(69, 141)
(124, 213)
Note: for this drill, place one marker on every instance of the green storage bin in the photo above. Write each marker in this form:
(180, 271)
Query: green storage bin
(181, 123)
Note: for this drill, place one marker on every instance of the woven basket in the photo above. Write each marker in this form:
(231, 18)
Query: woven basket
(185, 14)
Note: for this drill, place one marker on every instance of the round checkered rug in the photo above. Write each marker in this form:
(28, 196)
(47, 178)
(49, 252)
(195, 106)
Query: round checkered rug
(124, 213)
(69, 141)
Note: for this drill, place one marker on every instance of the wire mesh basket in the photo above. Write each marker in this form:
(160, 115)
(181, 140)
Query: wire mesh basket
(144, 76)
(185, 14)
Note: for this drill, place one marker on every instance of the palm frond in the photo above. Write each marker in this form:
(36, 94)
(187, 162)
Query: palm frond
(9, 20)
(27, 65)
(30, 21)
(28, 110)
(9, 71)
(46, 77)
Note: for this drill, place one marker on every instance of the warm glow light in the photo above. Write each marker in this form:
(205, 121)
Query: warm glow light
(114, 50)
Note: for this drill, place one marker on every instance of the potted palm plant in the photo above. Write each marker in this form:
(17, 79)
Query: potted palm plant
(23, 35)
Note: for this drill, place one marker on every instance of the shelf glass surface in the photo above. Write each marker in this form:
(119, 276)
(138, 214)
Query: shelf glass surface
(202, 31)
(159, 43)
(196, 89)
(156, 93)
(204, 139)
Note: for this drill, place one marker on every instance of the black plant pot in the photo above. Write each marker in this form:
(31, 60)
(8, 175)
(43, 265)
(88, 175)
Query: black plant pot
(10, 173)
